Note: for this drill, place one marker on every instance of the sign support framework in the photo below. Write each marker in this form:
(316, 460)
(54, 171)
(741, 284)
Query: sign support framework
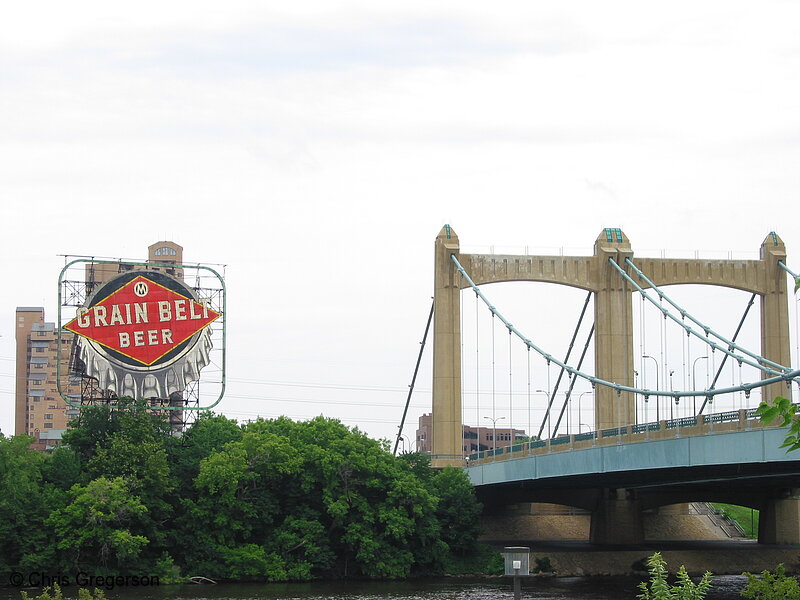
(143, 329)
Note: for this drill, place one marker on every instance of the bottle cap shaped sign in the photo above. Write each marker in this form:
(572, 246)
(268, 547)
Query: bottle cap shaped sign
(143, 334)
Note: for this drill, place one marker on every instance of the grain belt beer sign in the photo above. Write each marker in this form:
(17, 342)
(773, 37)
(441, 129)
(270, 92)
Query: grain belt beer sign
(143, 334)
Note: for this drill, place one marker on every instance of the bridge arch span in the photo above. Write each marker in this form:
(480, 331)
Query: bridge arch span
(613, 338)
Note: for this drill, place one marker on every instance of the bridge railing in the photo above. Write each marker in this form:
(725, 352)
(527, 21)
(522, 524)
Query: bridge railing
(722, 417)
(714, 423)
(640, 427)
(684, 422)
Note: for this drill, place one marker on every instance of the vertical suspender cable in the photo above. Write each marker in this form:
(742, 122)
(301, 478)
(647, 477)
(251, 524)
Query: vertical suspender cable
(641, 350)
(463, 389)
(510, 399)
(494, 416)
(662, 327)
(683, 373)
(528, 355)
(477, 374)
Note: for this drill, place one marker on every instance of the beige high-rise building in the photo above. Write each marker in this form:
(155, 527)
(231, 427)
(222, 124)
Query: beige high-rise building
(40, 410)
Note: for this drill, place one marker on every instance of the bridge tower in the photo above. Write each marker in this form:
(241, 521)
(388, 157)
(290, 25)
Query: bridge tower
(446, 442)
(613, 344)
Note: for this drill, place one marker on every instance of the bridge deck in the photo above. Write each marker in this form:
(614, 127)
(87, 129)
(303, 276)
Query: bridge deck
(657, 454)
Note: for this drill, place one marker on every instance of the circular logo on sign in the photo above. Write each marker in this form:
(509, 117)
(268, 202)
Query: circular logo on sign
(141, 289)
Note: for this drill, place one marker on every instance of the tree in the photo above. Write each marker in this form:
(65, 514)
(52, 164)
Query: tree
(132, 443)
(458, 510)
(297, 500)
(102, 523)
(25, 503)
(784, 411)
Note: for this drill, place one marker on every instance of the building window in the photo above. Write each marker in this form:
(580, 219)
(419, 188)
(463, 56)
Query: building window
(48, 425)
(48, 416)
(40, 349)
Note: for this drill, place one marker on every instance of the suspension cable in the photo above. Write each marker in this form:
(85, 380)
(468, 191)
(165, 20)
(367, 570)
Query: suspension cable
(572, 382)
(552, 395)
(725, 358)
(788, 270)
(413, 379)
(758, 365)
(746, 387)
(704, 327)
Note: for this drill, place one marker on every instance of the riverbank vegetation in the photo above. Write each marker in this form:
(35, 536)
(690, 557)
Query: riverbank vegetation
(769, 585)
(269, 500)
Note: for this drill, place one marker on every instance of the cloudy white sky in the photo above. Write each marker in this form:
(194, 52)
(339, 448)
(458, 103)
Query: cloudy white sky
(317, 148)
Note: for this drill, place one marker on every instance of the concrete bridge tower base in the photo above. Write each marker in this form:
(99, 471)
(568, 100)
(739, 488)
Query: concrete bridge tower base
(779, 520)
(617, 519)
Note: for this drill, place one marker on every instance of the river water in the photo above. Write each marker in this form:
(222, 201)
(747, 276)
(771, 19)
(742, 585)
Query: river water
(725, 587)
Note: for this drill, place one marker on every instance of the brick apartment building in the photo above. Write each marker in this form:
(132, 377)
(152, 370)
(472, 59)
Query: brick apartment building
(475, 439)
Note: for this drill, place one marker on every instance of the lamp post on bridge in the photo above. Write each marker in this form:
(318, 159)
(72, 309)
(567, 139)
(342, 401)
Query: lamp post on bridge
(547, 408)
(694, 383)
(671, 389)
(658, 417)
(494, 421)
(579, 409)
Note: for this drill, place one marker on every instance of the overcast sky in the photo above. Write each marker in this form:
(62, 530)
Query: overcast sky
(317, 148)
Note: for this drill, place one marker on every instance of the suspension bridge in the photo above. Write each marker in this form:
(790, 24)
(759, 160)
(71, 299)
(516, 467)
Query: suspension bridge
(626, 462)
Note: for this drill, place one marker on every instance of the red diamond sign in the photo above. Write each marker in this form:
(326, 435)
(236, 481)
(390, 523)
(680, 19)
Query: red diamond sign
(142, 320)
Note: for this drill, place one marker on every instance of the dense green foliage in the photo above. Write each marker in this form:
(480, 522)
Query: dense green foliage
(772, 586)
(271, 500)
(785, 414)
(55, 593)
(659, 588)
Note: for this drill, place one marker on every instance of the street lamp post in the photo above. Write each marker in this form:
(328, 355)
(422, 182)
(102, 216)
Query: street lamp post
(658, 417)
(547, 408)
(494, 421)
(579, 408)
(671, 389)
(694, 382)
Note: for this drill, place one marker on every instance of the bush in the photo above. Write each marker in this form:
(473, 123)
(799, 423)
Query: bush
(683, 589)
(771, 586)
(83, 594)
(542, 565)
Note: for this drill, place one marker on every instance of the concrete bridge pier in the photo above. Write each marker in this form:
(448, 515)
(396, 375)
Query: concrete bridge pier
(779, 519)
(617, 518)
